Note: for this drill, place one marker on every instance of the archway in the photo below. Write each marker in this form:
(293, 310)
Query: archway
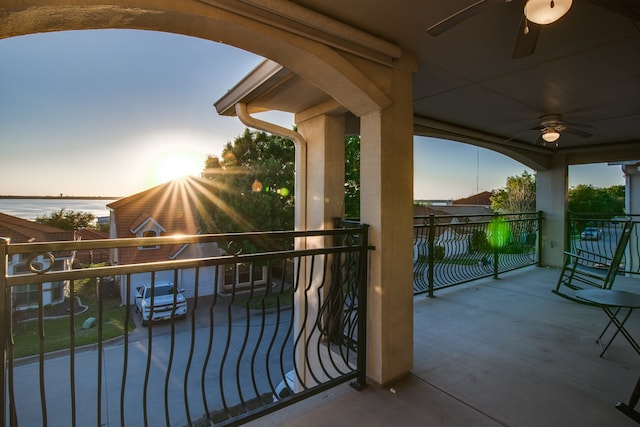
(367, 76)
(303, 50)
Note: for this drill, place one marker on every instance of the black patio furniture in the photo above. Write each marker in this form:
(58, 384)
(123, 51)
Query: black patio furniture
(613, 302)
(629, 409)
(592, 270)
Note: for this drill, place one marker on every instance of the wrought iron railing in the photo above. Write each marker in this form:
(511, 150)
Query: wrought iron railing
(454, 249)
(596, 233)
(289, 325)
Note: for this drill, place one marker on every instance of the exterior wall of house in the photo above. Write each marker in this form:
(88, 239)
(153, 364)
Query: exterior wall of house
(237, 279)
(19, 230)
(164, 210)
(27, 296)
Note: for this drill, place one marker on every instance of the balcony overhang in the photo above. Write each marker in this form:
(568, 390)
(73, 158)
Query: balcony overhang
(270, 86)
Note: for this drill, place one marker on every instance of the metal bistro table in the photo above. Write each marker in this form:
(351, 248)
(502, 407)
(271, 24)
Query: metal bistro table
(612, 302)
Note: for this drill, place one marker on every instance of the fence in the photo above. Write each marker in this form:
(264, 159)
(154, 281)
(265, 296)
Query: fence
(295, 327)
(599, 233)
(453, 249)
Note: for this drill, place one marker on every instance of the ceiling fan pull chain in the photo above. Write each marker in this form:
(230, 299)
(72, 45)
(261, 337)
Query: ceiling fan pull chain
(526, 21)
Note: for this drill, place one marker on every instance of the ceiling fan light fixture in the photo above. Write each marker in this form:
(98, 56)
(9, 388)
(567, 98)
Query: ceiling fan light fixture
(545, 12)
(550, 135)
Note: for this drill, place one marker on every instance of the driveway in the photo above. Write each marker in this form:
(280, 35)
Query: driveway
(157, 372)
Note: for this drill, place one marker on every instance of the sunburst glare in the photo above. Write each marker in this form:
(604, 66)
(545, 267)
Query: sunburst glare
(165, 156)
(176, 165)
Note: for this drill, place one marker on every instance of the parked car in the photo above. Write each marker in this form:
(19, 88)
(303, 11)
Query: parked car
(591, 233)
(165, 297)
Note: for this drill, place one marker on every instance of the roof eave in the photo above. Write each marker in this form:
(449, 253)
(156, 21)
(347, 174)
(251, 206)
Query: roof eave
(261, 79)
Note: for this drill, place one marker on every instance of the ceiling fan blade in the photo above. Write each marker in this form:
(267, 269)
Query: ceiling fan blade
(515, 137)
(526, 40)
(578, 132)
(461, 15)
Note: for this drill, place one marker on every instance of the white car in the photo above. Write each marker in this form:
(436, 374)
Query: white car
(591, 233)
(165, 296)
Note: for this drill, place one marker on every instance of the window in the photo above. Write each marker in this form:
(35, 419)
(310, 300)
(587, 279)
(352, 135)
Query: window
(242, 273)
(150, 233)
(26, 295)
(148, 228)
(57, 294)
(29, 295)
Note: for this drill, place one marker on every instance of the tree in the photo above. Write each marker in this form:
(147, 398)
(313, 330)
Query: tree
(352, 177)
(68, 219)
(588, 199)
(618, 193)
(253, 185)
(518, 196)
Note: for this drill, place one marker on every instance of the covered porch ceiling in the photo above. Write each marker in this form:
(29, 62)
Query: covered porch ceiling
(585, 71)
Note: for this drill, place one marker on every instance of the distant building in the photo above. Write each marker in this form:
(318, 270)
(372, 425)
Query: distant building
(20, 230)
(480, 199)
(95, 256)
(167, 209)
(454, 225)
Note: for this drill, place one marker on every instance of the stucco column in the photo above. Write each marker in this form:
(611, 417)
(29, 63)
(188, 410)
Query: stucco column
(632, 207)
(552, 199)
(325, 200)
(386, 163)
(325, 169)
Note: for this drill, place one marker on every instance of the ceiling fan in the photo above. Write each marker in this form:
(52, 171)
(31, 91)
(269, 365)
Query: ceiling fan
(552, 126)
(537, 13)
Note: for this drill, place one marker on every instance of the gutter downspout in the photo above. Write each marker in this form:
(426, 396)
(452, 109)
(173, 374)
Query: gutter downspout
(300, 208)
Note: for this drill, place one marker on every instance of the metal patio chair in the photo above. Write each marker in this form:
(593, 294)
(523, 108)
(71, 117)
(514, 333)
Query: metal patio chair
(584, 269)
(629, 409)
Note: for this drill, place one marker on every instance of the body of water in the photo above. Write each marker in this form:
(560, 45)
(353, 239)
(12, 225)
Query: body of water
(32, 208)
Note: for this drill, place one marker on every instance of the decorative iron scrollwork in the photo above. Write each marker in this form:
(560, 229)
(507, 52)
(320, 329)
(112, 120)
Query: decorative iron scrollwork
(234, 248)
(351, 240)
(35, 269)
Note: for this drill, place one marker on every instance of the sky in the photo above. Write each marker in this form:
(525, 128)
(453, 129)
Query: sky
(114, 112)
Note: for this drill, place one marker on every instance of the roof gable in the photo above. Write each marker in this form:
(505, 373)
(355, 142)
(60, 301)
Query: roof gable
(169, 209)
(482, 199)
(24, 231)
(146, 222)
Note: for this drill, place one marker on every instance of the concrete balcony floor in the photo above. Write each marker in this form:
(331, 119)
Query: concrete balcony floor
(502, 352)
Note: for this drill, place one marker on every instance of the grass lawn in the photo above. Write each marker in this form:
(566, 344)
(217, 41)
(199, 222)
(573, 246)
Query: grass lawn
(57, 332)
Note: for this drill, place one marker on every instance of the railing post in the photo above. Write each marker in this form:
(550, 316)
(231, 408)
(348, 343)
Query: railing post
(361, 380)
(5, 313)
(496, 248)
(567, 232)
(539, 239)
(431, 248)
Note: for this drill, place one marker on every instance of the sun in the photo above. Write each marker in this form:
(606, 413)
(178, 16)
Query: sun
(173, 165)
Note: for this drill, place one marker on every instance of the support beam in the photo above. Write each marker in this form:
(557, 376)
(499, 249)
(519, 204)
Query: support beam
(551, 198)
(386, 164)
(632, 207)
(325, 200)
